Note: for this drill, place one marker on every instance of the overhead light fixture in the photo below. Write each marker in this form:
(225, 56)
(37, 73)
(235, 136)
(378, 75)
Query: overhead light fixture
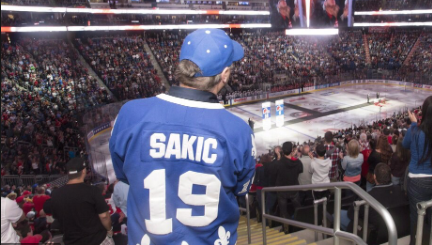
(129, 11)
(312, 32)
(35, 29)
(131, 27)
(392, 24)
(397, 12)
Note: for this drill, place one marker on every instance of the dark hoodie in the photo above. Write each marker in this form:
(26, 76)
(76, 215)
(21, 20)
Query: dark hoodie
(288, 172)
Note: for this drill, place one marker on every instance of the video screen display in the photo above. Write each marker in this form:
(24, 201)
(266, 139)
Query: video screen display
(287, 14)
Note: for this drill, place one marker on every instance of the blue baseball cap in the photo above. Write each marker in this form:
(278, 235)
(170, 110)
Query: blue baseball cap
(212, 50)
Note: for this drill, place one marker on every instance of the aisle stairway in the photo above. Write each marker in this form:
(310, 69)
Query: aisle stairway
(274, 237)
(367, 51)
(156, 66)
(412, 52)
(91, 72)
(304, 237)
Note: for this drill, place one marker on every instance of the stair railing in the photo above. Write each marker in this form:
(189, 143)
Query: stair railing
(247, 211)
(357, 205)
(316, 204)
(335, 232)
(421, 211)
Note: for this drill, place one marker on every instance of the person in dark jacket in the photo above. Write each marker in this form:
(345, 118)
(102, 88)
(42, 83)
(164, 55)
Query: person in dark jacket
(399, 162)
(389, 195)
(289, 169)
(270, 175)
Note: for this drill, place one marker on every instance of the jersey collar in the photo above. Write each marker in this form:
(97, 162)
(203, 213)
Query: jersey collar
(193, 94)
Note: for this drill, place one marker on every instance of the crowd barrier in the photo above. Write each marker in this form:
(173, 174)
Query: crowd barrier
(26, 180)
(274, 95)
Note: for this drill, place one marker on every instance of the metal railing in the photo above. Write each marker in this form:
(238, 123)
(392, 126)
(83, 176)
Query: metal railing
(421, 210)
(357, 205)
(247, 210)
(335, 232)
(316, 204)
(26, 180)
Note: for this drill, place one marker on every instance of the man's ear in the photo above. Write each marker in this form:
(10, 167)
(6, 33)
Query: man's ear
(225, 75)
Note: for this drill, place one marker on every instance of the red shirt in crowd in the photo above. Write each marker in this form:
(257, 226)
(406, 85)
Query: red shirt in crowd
(27, 207)
(39, 201)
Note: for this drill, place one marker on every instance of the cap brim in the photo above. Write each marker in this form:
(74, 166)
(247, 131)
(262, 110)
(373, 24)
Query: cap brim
(238, 51)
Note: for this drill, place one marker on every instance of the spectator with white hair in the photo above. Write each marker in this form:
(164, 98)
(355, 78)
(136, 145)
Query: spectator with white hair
(11, 213)
(364, 143)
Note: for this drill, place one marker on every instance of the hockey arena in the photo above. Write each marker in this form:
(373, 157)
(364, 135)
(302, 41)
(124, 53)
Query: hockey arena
(174, 122)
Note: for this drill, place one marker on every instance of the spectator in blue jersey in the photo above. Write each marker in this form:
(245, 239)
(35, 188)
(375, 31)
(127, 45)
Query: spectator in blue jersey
(192, 155)
(419, 140)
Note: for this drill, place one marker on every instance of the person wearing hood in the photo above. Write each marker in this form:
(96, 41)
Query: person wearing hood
(289, 169)
(320, 168)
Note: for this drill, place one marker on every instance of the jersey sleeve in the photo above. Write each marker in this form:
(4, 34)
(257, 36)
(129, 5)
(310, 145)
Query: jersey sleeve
(118, 148)
(246, 175)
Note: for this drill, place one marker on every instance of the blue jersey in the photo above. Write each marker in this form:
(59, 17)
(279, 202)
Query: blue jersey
(185, 162)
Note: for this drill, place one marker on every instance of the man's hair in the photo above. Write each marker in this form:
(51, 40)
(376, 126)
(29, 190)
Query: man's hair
(353, 148)
(23, 228)
(383, 174)
(75, 176)
(287, 148)
(328, 137)
(185, 74)
(46, 235)
(386, 131)
(40, 190)
(321, 150)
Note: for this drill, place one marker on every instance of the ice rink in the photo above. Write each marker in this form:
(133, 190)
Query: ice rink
(310, 115)
(307, 116)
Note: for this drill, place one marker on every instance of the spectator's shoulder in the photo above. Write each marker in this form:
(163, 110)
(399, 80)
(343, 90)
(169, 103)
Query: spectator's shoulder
(134, 105)
(136, 108)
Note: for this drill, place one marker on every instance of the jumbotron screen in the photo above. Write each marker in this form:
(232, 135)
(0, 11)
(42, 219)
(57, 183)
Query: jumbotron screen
(287, 14)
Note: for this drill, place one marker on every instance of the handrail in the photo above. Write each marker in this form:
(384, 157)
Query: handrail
(421, 210)
(316, 203)
(336, 232)
(247, 210)
(357, 205)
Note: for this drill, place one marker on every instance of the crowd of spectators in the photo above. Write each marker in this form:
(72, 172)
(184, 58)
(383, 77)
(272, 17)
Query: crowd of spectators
(389, 50)
(123, 64)
(49, 19)
(361, 154)
(348, 51)
(44, 87)
(376, 5)
(165, 46)
(52, 3)
(38, 214)
(421, 61)
(273, 57)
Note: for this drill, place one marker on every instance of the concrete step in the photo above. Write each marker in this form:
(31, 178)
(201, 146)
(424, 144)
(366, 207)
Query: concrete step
(274, 237)
(401, 241)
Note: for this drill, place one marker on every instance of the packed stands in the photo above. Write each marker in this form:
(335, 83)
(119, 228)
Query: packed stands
(68, 19)
(389, 50)
(270, 53)
(44, 88)
(371, 5)
(421, 59)
(123, 64)
(52, 3)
